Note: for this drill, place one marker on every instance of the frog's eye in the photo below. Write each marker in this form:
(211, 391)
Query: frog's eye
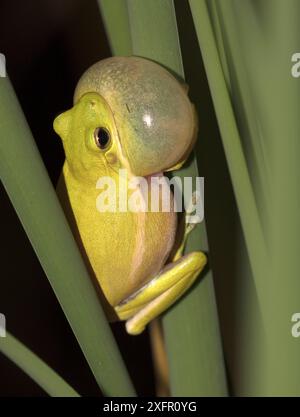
(102, 137)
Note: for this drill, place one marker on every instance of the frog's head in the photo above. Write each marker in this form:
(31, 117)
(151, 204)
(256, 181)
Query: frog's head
(128, 113)
(90, 138)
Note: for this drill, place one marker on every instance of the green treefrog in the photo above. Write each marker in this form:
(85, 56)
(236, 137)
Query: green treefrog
(129, 113)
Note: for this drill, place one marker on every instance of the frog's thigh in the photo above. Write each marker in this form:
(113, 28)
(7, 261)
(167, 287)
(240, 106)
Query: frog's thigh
(161, 292)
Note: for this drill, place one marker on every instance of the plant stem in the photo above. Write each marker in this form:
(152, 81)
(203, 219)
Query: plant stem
(115, 18)
(191, 326)
(35, 367)
(232, 145)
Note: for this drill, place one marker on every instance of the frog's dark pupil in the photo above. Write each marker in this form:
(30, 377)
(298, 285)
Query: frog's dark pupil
(102, 137)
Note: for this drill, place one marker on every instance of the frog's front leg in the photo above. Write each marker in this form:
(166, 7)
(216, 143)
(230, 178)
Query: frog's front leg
(161, 292)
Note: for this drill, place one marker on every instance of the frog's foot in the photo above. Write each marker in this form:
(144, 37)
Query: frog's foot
(161, 292)
(188, 227)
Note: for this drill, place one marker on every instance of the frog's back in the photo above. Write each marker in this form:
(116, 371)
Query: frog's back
(125, 249)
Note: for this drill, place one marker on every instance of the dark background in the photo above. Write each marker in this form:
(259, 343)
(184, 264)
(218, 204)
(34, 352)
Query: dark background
(48, 44)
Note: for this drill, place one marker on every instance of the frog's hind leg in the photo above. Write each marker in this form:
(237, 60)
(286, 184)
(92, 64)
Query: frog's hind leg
(161, 292)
